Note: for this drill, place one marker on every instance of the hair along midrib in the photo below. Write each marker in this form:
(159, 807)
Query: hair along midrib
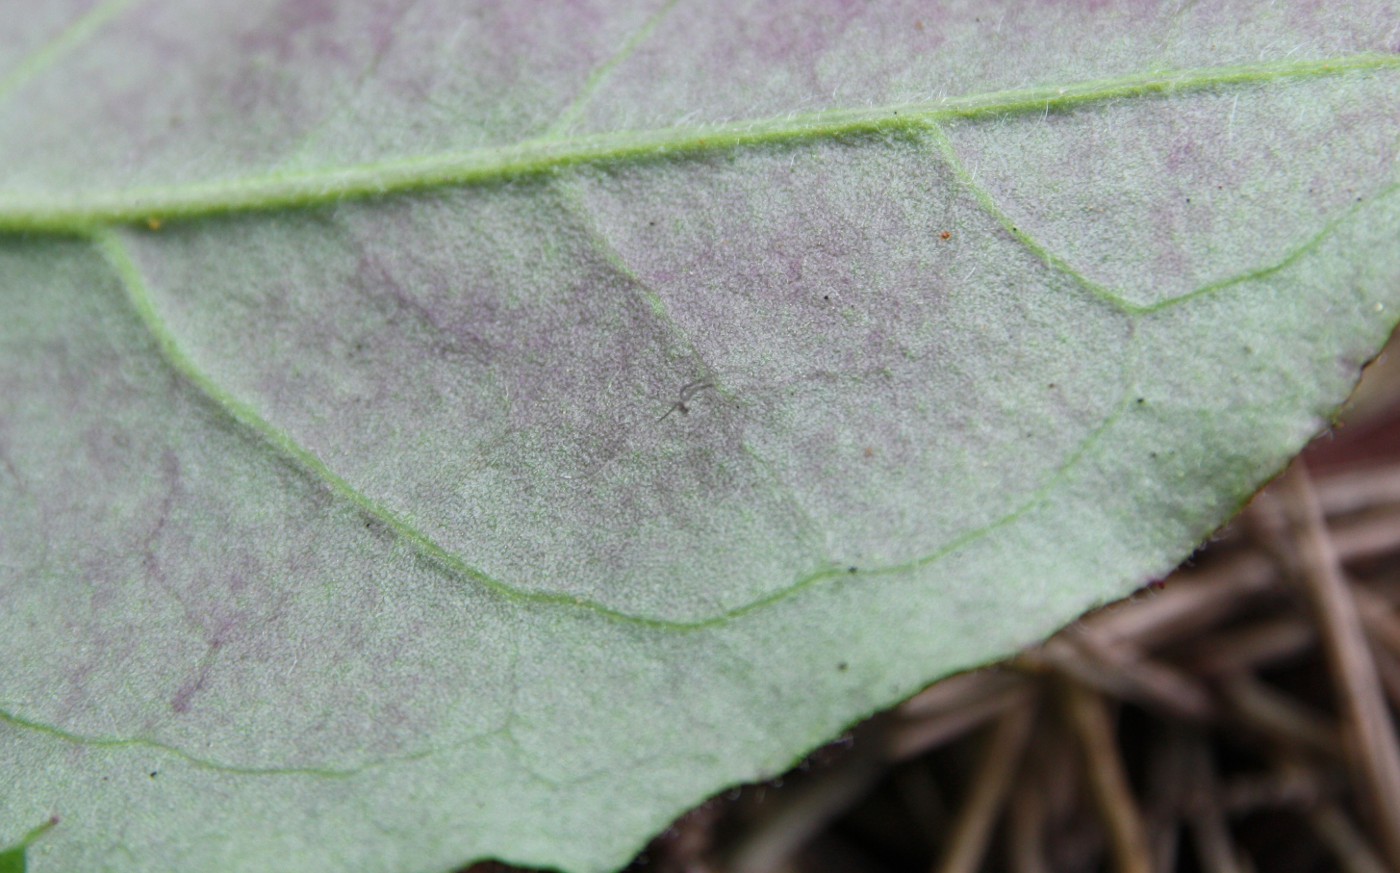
(68, 213)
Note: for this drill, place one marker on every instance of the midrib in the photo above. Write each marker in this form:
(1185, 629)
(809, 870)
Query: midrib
(62, 214)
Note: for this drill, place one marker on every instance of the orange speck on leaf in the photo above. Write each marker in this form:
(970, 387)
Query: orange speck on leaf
(919, 25)
(869, 452)
(947, 234)
(153, 223)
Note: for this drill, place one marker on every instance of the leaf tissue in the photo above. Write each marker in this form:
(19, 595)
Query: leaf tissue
(433, 431)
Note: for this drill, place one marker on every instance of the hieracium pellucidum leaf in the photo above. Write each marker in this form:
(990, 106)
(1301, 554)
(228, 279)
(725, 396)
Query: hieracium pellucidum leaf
(434, 430)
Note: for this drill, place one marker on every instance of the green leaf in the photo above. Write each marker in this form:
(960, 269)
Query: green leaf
(14, 858)
(434, 431)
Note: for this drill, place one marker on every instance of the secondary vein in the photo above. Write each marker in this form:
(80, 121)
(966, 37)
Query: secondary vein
(158, 747)
(125, 267)
(74, 34)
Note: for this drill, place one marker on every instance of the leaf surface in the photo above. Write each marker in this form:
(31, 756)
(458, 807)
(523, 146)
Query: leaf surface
(432, 432)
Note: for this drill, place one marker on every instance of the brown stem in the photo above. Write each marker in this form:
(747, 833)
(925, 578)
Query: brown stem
(1346, 842)
(1258, 644)
(1213, 846)
(1368, 537)
(1355, 490)
(1375, 756)
(910, 739)
(1190, 601)
(1278, 716)
(973, 828)
(1028, 829)
(1108, 782)
(1167, 789)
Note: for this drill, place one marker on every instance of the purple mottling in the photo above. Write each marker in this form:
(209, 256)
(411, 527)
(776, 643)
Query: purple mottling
(452, 337)
(281, 32)
(1097, 5)
(7, 462)
(180, 703)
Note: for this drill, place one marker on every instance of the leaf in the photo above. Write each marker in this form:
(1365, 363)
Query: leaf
(435, 432)
(14, 858)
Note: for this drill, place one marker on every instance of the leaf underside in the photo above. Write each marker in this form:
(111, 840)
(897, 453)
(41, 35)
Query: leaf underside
(431, 433)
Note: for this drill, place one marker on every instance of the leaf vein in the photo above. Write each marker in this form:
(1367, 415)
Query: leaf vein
(1288, 260)
(603, 72)
(984, 198)
(125, 267)
(17, 721)
(80, 215)
(77, 30)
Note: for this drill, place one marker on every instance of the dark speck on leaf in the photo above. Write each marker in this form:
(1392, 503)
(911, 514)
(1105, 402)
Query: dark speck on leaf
(842, 666)
(155, 773)
(850, 569)
(1141, 400)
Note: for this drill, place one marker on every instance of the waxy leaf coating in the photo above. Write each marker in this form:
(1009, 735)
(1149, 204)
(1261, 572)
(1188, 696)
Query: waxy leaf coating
(432, 431)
